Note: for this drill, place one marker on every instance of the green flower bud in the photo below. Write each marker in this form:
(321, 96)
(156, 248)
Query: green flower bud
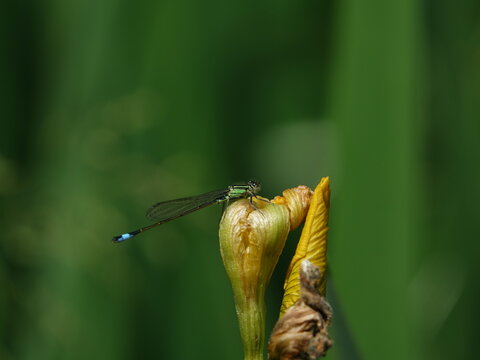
(252, 236)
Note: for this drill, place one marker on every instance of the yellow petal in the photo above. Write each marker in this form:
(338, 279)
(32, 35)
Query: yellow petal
(312, 245)
(297, 200)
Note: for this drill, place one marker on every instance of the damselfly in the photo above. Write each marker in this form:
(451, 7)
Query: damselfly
(166, 211)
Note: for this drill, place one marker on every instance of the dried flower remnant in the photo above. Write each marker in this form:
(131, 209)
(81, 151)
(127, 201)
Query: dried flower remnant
(301, 333)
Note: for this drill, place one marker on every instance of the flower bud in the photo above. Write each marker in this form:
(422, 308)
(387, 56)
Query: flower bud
(252, 236)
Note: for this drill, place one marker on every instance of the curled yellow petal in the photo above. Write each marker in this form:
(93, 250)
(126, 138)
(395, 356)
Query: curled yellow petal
(312, 245)
(297, 200)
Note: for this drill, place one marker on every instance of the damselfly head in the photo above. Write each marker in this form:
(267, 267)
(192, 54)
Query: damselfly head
(253, 187)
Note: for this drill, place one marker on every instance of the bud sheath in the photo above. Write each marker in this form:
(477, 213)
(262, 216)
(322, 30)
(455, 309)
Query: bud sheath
(252, 237)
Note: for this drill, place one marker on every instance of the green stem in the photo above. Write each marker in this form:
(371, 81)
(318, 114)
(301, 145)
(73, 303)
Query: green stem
(251, 319)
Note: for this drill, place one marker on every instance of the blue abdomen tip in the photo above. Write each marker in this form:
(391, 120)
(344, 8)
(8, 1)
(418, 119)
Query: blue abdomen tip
(122, 237)
(125, 236)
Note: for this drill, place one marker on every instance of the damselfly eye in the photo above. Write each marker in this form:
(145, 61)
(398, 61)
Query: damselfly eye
(254, 186)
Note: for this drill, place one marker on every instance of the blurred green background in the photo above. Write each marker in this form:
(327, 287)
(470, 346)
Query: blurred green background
(110, 106)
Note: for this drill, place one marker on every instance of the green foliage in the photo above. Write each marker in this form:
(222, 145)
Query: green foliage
(111, 106)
